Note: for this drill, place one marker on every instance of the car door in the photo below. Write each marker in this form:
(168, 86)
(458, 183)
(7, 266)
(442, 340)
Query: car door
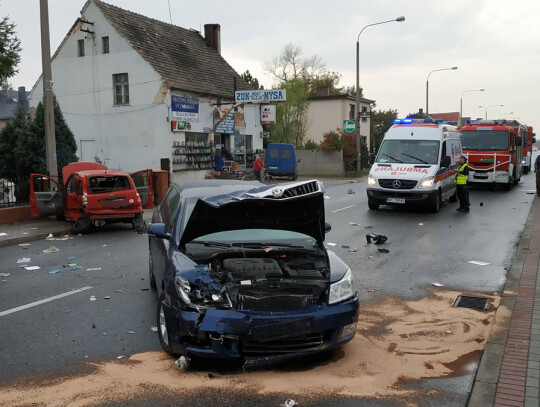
(73, 201)
(145, 187)
(46, 196)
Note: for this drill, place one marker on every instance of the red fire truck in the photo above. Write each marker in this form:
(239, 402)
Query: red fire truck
(495, 151)
(527, 150)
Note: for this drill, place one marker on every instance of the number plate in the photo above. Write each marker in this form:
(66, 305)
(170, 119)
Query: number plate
(272, 167)
(395, 200)
(481, 176)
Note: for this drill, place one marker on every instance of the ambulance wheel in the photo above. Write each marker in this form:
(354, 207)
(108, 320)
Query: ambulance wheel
(372, 205)
(435, 204)
(82, 225)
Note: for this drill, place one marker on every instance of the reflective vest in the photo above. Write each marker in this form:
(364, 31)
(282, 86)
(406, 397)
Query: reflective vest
(461, 179)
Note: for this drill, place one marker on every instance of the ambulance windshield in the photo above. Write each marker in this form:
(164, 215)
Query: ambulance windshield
(485, 140)
(409, 152)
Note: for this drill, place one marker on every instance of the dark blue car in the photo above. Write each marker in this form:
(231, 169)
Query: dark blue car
(242, 272)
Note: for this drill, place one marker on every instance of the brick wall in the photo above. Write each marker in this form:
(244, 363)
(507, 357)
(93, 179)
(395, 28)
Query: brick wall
(16, 214)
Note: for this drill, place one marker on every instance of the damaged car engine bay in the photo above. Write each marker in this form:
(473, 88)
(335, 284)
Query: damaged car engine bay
(279, 281)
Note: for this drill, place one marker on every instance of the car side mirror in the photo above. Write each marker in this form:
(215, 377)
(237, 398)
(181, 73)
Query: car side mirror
(158, 230)
(327, 227)
(445, 162)
(371, 158)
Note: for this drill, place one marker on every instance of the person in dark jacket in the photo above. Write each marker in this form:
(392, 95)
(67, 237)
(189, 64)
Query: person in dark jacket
(461, 184)
(537, 171)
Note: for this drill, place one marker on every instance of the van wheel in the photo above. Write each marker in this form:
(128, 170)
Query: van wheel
(435, 203)
(82, 225)
(372, 205)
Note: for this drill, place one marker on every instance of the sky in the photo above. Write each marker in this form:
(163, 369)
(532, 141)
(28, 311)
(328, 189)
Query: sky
(495, 44)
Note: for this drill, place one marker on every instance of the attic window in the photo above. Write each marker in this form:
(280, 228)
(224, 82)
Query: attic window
(80, 48)
(121, 89)
(105, 45)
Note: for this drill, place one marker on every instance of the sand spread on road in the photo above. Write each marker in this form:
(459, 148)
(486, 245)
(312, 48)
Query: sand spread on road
(399, 341)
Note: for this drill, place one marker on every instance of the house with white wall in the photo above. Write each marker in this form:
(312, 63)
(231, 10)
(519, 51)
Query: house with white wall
(327, 112)
(140, 93)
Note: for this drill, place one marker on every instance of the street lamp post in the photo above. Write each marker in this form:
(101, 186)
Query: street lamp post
(357, 124)
(504, 114)
(427, 85)
(461, 102)
(487, 107)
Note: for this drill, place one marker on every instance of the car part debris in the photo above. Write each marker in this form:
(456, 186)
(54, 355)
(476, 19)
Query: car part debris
(92, 298)
(182, 363)
(377, 239)
(479, 263)
(354, 224)
(368, 227)
(350, 192)
(4, 274)
(73, 268)
(23, 260)
(54, 271)
(153, 328)
(437, 284)
(290, 403)
(353, 250)
(30, 268)
(384, 251)
(51, 249)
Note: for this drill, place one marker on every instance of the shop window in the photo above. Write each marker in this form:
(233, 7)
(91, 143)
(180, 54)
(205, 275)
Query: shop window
(121, 89)
(351, 112)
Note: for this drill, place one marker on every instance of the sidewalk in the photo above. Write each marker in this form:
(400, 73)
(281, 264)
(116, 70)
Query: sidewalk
(509, 372)
(28, 230)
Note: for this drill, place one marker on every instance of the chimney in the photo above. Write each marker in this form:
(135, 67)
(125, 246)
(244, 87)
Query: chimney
(323, 90)
(23, 101)
(212, 36)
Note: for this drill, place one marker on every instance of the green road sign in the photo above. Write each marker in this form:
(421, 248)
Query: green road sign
(349, 126)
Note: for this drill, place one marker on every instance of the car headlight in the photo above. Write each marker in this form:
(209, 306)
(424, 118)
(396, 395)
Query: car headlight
(343, 289)
(198, 298)
(427, 183)
(371, 181)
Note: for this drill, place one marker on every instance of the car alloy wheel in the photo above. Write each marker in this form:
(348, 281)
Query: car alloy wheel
(163, 332)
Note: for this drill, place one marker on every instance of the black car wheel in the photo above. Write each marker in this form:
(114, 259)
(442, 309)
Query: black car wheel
(151, 276)
(372, 205)
(82, 225)
(163, 333)
(138, 224)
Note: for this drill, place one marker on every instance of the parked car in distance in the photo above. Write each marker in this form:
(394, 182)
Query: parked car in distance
(280, 160)
(92, 196)
(242, 273)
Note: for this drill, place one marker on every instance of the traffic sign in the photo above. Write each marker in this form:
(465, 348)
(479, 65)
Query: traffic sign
(349, 126)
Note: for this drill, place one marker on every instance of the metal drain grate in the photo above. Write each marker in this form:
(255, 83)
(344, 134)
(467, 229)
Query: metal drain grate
(479, 303)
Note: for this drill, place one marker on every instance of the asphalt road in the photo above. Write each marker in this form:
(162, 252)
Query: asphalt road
(107, 311)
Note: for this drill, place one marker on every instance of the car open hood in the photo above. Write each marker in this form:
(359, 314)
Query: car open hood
(297, 207)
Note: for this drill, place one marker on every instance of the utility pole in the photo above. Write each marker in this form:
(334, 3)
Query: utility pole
(48, 105)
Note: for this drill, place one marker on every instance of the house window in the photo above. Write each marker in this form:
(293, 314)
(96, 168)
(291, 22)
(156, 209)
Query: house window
(105, 45)
(364, 114)
(351, 112)
(80, 48)
(121, 88)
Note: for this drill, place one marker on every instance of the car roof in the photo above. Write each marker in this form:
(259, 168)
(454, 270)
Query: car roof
(209, 187)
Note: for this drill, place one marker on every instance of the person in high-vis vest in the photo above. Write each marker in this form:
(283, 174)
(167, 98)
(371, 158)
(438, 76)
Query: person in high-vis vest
(461, 184)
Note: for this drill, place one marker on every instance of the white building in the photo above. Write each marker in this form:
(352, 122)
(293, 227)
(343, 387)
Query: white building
(327, 113)
(140, 93)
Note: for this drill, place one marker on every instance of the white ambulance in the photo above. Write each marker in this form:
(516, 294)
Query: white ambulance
(415, 165)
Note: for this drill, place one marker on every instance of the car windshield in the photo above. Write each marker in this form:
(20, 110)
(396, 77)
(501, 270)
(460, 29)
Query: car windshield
(101, 184)
(485, 140)
(262, 237)
(409, 152)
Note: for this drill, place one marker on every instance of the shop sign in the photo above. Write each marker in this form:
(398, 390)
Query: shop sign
(268, 114)
(255, 96)
(180, 126)
(227, 125)
(185, 109)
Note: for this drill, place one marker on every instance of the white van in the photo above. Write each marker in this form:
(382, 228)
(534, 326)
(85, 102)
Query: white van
(415, 165)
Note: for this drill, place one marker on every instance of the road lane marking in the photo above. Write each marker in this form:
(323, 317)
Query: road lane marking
(342, 209)
(33, 304)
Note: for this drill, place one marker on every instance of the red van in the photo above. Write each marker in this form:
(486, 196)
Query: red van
(92, 195)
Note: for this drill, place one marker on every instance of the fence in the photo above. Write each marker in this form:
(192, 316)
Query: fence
(14, 192)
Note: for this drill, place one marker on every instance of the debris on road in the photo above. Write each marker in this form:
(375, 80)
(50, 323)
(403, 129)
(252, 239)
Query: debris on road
(354, 224)
(153, 328)
(344, 246)
(24, 244)
(377, 239)
(54, 271)
(3, 234)
(331, 244)
(4, 274)
(182, 363)
(420, 224)
(76, 267)
(350, 192)
(94, 269)
(107, 297)
(437, 284)
(479, 263)
(92, 298)
(368, 227)
(290, 403)
(23, 260)
(52, 249)
(353, 250)
(327, 197)
(31, 268)
(384, 251)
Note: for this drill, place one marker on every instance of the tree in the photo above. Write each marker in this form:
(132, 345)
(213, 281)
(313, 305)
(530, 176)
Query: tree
(331, 141)
(10, 47)
(330, 79)
(381, 121)
(252, 81)
(290, 124)
(31, 146)
(15, 129)
(290, 65)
